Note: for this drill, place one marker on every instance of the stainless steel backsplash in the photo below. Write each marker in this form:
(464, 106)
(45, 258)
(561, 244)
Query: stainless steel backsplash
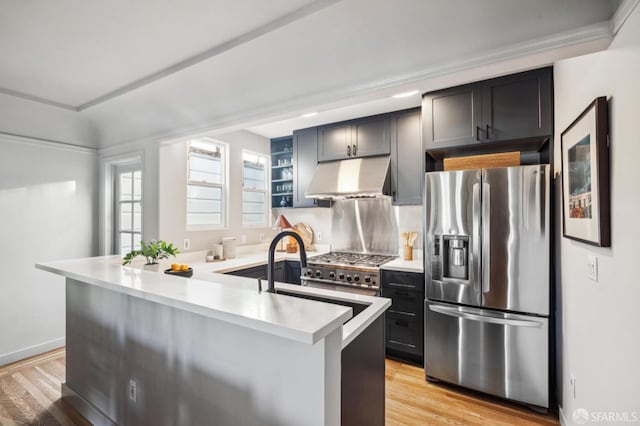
(364, 225)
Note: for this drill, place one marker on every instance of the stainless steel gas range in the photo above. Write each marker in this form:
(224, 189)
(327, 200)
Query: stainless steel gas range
(345, 271)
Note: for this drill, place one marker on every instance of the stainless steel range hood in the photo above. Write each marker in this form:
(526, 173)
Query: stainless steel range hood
(357, 177)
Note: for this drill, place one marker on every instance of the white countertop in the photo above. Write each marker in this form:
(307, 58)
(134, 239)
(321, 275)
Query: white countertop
(415, 265)
(230, 298)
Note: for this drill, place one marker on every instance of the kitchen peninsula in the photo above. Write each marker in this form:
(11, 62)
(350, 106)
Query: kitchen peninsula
(147, 348)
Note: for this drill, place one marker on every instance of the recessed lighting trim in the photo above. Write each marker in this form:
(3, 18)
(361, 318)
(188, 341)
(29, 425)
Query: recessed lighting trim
(406, 94)
(309, 114)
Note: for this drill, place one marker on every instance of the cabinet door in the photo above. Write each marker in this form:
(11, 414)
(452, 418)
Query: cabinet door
(452, 117)
(279, 272)
(305, 156)
(518, 106)
(370, 136)
(407, 158)
(334, 142)
(293, 272)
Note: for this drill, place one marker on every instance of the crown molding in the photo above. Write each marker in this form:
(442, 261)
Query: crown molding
(622, 13)
(37, 99)
(590, 33)
(30, 140)
(585, 34)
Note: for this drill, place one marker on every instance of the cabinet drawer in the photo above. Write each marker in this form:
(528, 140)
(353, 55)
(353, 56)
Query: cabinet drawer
(405, 301)
(404, 333)
(403, 280)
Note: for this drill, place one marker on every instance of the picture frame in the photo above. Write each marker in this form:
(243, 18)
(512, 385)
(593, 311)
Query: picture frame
(586, 215)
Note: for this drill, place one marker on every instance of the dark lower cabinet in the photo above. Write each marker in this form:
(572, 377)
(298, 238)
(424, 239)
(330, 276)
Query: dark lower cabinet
(404, 322)
(285, 272)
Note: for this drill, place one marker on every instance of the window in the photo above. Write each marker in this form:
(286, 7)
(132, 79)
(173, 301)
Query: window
(254, 189)
(206, 185)
(128, 205)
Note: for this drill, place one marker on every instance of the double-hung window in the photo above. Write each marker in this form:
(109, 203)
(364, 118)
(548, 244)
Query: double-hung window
(254, 189)
(206, 185)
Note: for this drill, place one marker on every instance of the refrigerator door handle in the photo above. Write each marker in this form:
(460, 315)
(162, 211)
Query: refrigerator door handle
(460, 313)
(475, 246)
(486, 237)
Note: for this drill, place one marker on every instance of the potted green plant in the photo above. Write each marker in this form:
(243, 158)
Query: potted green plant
(153, 252)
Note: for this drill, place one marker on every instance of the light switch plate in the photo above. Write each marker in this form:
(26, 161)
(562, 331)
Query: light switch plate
(592, 267)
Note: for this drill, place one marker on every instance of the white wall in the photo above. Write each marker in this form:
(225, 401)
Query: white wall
(47, 205)
(173, 186)
(35, 120)
(600, 322)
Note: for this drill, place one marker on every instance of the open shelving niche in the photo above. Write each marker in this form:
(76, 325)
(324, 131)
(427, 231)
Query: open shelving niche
(282, 172)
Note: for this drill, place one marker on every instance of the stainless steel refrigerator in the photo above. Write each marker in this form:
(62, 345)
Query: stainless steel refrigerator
(487, 281)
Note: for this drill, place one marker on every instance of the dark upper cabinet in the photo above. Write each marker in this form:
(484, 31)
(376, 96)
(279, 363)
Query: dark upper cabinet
(452, 117)
(518, 106)
(334, 142)
(305, 160)
(363, 137)
(370, 136)
(407, 168)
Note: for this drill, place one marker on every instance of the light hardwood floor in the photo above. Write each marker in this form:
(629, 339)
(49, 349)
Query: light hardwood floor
(30, 395)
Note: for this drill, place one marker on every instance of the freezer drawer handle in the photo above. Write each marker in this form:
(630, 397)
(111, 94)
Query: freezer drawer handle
(454, 312)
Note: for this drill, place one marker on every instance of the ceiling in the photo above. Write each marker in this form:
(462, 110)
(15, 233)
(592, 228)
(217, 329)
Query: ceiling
(152, 69)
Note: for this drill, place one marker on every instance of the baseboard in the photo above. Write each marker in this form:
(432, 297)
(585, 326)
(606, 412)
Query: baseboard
(562, 417)
(31, 351)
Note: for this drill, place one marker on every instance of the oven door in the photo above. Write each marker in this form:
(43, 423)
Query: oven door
(310, 282)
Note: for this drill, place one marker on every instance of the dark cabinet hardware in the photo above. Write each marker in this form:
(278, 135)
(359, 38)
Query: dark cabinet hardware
(478, 130)
(355, 149)
(349, 150)
(488, 133)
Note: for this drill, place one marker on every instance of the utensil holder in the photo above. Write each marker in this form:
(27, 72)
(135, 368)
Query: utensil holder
(407, 253)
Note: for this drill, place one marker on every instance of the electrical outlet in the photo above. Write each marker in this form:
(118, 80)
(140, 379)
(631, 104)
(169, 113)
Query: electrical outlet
(133, 390)
(592, 268)
(572, 384)
(261, 236)
(187, 244)
(319, 236)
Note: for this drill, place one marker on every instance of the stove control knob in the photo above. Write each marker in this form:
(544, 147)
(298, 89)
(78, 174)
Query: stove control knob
(349, 278)
(341, 276)
(332, 275)
(318, 273)
(356, 278)
(367, 279)
(309, 273)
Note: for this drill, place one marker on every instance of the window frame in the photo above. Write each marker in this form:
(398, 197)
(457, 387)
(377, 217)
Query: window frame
(266, 190)
(224, 186)
(118, 202)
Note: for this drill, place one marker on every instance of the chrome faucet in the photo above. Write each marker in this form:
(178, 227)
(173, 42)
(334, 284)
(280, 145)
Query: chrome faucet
(272, 252)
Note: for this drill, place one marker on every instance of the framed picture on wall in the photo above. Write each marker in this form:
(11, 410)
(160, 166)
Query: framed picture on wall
(585, 176)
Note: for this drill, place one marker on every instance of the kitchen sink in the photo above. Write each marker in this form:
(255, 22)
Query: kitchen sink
(357, 307)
